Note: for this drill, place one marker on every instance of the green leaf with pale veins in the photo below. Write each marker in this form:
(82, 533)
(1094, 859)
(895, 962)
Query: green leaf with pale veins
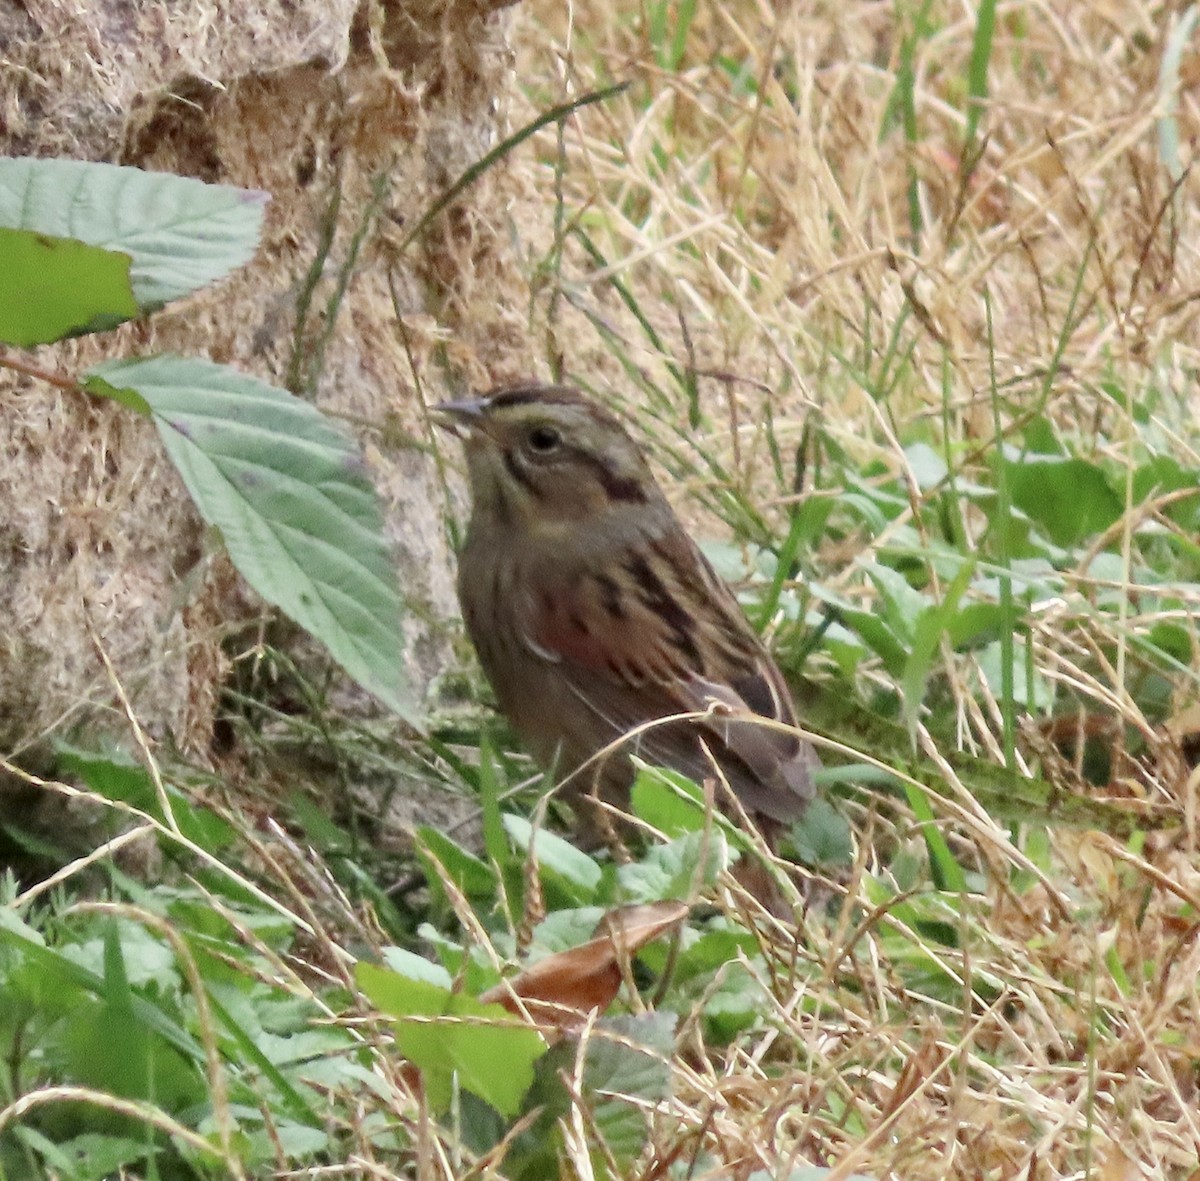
(290, 496)
(575, 868)
(181, 234)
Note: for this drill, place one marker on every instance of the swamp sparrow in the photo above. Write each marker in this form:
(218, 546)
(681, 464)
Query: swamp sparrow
(594, 613)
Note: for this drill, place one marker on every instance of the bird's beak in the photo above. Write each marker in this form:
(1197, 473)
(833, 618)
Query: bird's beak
(462, 415)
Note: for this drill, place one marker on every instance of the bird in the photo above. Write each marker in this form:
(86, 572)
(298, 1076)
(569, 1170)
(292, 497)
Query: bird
(600, 625)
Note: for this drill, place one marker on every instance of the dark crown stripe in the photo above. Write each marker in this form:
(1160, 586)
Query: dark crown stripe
(528, 393)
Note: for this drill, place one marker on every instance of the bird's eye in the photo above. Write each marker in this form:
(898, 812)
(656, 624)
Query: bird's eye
(543, 439)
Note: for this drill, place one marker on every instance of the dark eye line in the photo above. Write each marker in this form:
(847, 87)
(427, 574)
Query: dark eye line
(523, 461)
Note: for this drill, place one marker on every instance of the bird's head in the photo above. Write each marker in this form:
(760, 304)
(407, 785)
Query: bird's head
(543, 458)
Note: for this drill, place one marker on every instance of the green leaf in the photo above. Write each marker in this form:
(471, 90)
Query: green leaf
(109, 1049)
(974, 623)
(735, 1004)
(902, 605)
(977, 74)
(450, 1036)
(416, 967)
(320, 831)
(675, 805)
(822, 836)
(1070, 498)
(625, 1073)
(58, 973)
(117, 777)
(57, 287)
(625, 1080)
(927, 466)
(562, 930)
(90, 1157)
(700, 953)
(878, 635)
(930, 625)
(676, 869)
(467, 872)
(293, 503)
(1031, 689)
(573, 867)
(180, 234)
(1162, 475)
(667, 800)
(947, 872)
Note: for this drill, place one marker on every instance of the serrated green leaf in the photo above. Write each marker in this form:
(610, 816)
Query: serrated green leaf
(180, 234)
(57, 287)
(625, 1069)
(293, 503)
(623, 1078)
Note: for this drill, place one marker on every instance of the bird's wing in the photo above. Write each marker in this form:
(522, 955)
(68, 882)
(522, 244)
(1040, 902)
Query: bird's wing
(659, 634)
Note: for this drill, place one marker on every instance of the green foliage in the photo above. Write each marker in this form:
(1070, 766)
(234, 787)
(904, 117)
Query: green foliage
(291, 498)
(57, 287)
(183, 1049)
(84, 246)
(455, 1041)
(179, 234)
(624, 1066)
(935, 630)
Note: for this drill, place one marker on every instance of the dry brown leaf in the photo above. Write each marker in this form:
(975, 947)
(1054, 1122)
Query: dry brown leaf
(562, 989)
